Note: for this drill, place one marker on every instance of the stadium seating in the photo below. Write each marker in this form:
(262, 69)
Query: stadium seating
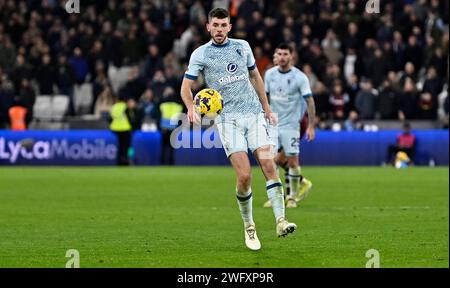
(83, 98)
(60, 104)
(42, 108)
(50, 108)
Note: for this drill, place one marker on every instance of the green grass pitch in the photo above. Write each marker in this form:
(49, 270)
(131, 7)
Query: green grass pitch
(188, 217)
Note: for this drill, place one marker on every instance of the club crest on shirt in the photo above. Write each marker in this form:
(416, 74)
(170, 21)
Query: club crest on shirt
(232, 67)
(239, 51)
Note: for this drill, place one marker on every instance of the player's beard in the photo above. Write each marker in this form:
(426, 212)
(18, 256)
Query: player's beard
(284, 65)
(222, 39)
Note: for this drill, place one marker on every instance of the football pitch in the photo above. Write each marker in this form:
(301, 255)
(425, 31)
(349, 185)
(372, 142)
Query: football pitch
(188, 217)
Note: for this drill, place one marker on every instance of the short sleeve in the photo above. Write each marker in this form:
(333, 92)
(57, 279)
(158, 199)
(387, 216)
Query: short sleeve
(305, 88)
(251, 63)
(266, 82)
(195, 65)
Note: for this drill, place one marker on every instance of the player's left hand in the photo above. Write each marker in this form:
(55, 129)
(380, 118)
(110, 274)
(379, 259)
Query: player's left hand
(310, 134)
(272, 117)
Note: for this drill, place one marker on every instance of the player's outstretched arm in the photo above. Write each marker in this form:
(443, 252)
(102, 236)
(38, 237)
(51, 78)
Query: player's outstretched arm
(186, 95)
(310, 133)
(258, 84)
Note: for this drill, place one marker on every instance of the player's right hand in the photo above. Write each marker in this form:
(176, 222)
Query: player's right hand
(271, 117)
(193, 116)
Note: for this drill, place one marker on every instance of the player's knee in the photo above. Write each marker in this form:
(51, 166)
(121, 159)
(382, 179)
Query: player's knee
(269, 169)
(293, 162)
(245, 179)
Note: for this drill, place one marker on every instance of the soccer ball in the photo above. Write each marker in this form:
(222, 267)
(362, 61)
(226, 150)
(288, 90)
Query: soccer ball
(401, 160)
(208, 102)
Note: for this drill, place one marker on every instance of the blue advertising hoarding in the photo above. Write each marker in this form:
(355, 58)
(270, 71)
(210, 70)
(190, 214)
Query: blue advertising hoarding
(58, 148)
(94, 147)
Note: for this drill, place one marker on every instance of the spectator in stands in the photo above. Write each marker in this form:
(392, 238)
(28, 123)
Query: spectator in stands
(352, 90)
(365, 102)
(27, 97)
(351, 64)
(387, 101)
(159, 84)
(377, 68)
(45, 76)
(153, 62)
(104, 102)
(170, 106)
(97, 54)
(7, 52)
(428, 100)
(171, 79)
(150, 110)
(100, 82)
(322, 100)
(405, 142)
(407, 101)
(115, 41)
(399, 50)
(17, 116)
(79, 65)
(306, 68)
(332, 47)
(339, 101)
(352, 123)
(413, 52)
(409, 72)
(393, 79)
(262, 61)
(65, 81)
(134, 114)
(439, 60)
(317, 59)
(6, 98)
(19, 72)
(134, 87)
(132, 48)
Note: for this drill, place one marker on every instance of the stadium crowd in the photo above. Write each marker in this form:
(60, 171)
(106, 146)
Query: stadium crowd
(362, 66)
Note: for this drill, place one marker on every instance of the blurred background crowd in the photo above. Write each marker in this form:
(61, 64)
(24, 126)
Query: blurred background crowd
(387, 66)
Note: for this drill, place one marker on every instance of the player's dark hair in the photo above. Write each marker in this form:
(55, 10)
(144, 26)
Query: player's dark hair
(284, 46)
(219, 13)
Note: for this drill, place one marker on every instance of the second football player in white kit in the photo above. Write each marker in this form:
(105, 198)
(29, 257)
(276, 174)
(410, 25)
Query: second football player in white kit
(290, 96)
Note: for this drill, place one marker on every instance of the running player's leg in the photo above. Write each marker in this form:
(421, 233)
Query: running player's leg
(274, 190)
(294, 180)
(235, 145)
(242, 167)
(273, 183)
(290, 139)
(282, 162)
(305, 184)
(262, 148)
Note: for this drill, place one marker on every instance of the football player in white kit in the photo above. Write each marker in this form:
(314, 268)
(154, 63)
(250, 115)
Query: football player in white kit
(228, 66)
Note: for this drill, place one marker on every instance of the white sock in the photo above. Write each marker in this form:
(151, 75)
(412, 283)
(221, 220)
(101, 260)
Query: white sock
(276, 197)
(294, 180)
(245, 202)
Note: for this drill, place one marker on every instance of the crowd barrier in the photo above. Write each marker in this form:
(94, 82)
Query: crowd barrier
(93, 147)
